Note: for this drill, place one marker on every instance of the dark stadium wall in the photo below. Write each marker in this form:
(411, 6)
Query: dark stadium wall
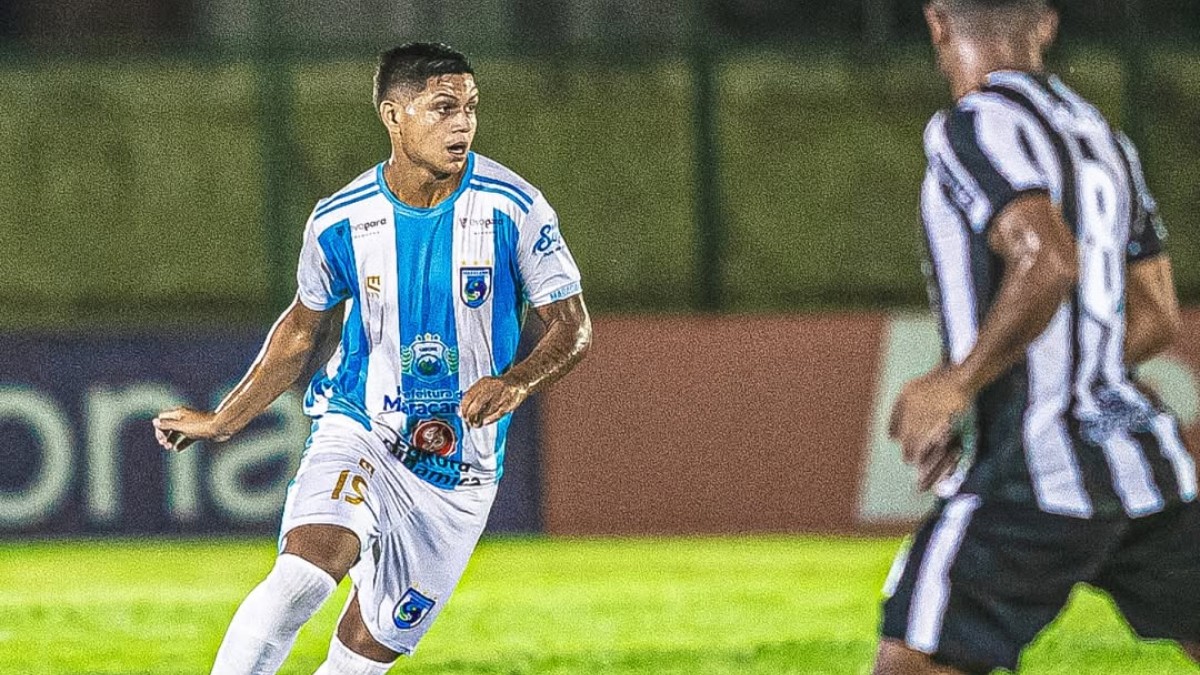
(756, 424)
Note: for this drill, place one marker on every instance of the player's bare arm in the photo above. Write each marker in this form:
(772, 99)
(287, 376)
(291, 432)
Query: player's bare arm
(288, 350)
(1151, 309)
(566, 341)
(1039, 270)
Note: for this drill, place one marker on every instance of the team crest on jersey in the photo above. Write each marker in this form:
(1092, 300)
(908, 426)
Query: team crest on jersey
(428, 358)
(435, 436)
(475, 285)
(412, 609)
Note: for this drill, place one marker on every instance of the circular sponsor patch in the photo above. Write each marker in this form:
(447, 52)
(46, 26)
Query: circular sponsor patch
(436, 437)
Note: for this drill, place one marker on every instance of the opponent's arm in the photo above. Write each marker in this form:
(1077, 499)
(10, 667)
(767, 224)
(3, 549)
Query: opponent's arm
(1152, 321)
(1039, 270)
(285, 354)
(566, 341)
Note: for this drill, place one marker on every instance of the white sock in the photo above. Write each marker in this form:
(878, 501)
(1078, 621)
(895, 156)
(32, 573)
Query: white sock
(342, 661)
(265, 625)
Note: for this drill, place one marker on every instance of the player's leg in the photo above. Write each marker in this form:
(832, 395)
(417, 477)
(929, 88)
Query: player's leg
(895, 658)
(1154, 577)
(353, 650)
(978, 583)
(263, 629)
(403, 583)
(328, 515)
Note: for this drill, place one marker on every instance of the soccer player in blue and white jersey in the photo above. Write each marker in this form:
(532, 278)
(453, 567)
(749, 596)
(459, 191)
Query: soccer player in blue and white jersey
(432, 257)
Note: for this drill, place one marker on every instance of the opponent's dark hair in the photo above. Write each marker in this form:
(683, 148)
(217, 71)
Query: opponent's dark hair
(995, 4)
(412, 64)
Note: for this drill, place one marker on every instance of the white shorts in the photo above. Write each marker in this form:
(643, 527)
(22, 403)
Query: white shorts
(416, 538)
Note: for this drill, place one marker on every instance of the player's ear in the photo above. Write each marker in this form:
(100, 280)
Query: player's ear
(936, 17)
(1047, 28)
(389, 113)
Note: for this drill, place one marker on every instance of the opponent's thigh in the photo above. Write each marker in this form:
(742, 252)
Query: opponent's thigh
(894, 658)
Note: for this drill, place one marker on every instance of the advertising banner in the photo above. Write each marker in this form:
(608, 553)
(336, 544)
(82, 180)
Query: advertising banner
(78, 455)
(758, 424)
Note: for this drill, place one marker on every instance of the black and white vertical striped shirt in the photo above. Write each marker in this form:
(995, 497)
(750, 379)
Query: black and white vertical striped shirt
(1064, 430)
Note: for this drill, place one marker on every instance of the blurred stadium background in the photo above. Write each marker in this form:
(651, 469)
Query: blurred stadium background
(712, 492)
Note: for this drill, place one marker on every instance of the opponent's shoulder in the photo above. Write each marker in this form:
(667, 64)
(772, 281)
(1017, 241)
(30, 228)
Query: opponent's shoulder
(358, 193)
(490, 176)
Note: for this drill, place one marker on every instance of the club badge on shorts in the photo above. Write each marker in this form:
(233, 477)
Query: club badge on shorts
(475, 285)
(412, 609)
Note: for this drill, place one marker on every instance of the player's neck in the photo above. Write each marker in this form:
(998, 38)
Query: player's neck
(970, 64)
(417, 186)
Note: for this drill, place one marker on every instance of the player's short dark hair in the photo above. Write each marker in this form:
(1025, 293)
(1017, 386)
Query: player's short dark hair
(994, 4)
(410, 66)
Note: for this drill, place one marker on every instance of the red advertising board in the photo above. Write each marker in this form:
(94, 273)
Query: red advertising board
(754, 424)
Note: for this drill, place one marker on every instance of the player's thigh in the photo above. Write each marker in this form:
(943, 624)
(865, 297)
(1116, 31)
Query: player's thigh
(409, 571)
(980, 580)
(894, 658)
(353, 632)
(334, 504)
(1154, 577)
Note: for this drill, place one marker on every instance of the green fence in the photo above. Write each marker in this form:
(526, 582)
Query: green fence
(133, 192)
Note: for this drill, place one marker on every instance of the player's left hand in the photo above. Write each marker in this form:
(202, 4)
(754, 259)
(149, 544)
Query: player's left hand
(923, 422)
(489, 399)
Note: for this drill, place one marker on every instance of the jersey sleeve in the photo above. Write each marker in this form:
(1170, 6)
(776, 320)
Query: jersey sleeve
(1147, 233)
(318, 283)
(548, 272)
(989, 156)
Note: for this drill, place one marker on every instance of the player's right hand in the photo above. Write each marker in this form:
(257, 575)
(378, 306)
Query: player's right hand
(177, 428)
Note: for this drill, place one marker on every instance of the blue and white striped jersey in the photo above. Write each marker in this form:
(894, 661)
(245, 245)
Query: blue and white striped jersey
(434, 300)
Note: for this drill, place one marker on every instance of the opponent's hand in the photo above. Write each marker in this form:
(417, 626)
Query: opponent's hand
(923, 422)
(178, 428)
(490, 399)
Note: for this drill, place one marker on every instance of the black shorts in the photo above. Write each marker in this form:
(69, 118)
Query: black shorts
(980, 580)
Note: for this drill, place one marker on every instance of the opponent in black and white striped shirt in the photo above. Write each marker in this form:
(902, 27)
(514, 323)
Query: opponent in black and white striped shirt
(1050, 279)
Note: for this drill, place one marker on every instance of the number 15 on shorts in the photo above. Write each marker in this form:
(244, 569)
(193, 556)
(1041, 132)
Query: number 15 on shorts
(357, 486)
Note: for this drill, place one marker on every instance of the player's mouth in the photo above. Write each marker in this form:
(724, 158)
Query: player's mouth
(458, 149)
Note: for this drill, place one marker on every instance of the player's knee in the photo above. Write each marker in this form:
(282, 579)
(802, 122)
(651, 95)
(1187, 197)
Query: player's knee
(895, 658)
(332, 548)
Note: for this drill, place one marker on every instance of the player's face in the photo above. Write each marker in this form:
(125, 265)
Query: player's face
(435, 128)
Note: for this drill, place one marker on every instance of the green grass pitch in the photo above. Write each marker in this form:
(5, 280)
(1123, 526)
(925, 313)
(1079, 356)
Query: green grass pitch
(686, 606)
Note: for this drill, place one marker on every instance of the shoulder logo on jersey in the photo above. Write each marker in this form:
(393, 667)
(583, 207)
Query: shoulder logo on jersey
(412, 609)
(549, 241)
(475, 285)
(434, 436)
(428, 358)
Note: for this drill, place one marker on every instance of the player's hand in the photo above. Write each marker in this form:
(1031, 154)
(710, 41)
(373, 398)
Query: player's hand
(178, 428)
(923, 422)
(490, 399)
